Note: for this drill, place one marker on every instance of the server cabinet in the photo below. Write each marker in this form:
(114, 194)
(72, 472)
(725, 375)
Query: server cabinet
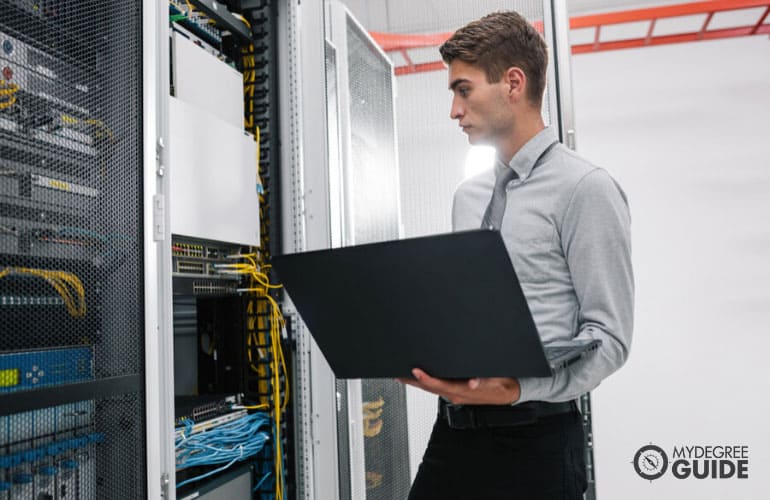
(219, 364)
(72, 249)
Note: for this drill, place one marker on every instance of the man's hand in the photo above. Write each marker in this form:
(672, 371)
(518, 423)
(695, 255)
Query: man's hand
(476, 391)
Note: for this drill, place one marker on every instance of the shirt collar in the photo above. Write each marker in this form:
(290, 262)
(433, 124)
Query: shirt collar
(525, 158)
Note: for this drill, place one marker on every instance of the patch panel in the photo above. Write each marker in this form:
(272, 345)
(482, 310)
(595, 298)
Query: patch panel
(195, 22)
(212, 287)
(56, 137)
(19, 184)
(214, 408)
(203, 407)
(60, 185)
(29, 300)
(189, 267)
(203, 250)
(187, 250)
(212, 423)
(197, 257)
(35, 239)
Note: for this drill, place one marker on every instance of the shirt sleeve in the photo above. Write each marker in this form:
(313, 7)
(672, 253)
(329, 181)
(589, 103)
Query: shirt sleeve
(596, 241)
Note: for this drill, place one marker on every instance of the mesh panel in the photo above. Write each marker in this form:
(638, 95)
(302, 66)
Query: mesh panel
(373, 174)
(373, 186)
(71, 304)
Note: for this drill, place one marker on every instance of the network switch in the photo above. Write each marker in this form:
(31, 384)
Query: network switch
(39, 368)
(207, 425)
(60, 83)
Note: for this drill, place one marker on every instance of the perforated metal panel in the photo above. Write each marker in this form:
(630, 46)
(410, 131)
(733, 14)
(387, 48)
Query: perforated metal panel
(372, 213)
(71, 281)
(372, 173)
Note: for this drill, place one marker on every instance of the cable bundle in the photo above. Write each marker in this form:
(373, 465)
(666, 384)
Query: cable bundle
(227, 444)
(260, 286)
(66, 284)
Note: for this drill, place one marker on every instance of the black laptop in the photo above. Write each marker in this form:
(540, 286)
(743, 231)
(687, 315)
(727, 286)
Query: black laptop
(450, 304)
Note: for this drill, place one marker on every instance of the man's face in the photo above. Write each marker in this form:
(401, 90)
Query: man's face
(481, 108)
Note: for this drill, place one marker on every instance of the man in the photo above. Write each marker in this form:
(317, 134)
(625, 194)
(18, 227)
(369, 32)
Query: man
(565, 224)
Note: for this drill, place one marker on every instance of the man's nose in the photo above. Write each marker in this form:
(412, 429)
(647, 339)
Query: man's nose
(456, 112)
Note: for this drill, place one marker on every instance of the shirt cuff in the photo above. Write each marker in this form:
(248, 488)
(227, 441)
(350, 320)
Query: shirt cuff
(534, 389)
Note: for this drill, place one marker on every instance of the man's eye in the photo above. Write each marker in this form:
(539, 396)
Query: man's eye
(463, 91)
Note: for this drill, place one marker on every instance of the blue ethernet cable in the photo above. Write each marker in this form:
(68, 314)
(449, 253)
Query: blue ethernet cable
(227, 444)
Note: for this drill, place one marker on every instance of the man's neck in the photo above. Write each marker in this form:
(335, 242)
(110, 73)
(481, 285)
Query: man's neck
(525, 131)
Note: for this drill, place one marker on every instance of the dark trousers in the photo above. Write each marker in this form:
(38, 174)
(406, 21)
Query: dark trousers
(540, 461)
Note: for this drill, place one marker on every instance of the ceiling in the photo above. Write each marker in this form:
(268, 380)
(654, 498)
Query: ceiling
(426, 16)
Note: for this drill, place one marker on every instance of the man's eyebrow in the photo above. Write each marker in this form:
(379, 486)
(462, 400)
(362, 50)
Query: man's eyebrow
(457, 82)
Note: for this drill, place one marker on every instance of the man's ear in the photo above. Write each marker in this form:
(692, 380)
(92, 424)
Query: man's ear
(516, 81)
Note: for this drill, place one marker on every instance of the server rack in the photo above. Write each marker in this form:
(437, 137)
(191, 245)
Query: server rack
(72, 356)
(220, 341)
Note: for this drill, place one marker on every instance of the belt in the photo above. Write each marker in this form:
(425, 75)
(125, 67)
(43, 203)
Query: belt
(486, 416)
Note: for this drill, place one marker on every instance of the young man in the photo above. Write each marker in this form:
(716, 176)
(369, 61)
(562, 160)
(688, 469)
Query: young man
(566, 225)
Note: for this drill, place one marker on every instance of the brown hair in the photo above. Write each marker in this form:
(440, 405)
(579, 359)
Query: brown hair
(497, 42)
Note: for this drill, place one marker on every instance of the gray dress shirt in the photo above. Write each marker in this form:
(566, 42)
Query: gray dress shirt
(567, 229)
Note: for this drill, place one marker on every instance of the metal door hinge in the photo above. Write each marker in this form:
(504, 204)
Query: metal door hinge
(164, 482)
(158, 217)
(159, 155)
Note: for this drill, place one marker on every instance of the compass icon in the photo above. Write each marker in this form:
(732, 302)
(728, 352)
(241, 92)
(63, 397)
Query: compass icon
(650, 462)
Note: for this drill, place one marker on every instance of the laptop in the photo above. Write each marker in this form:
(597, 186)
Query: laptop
(450, 304)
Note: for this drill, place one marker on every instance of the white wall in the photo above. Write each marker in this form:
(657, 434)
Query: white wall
(685, 130)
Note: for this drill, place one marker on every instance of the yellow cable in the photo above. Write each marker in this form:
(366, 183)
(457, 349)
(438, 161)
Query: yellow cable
(267, 308)
(63, 282)
(254, 407)
(242, 19)
(7, 88)
(258, 153)
(278, 368)
(7, 104)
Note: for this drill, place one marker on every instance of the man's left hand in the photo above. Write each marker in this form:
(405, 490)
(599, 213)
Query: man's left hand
(476, 391)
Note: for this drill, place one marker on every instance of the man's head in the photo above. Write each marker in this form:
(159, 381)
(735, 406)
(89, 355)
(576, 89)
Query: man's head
(497, 76)
(497, 42)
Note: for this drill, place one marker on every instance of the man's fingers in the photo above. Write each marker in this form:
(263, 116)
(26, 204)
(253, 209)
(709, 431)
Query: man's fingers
(408, 381)
(432, 384)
